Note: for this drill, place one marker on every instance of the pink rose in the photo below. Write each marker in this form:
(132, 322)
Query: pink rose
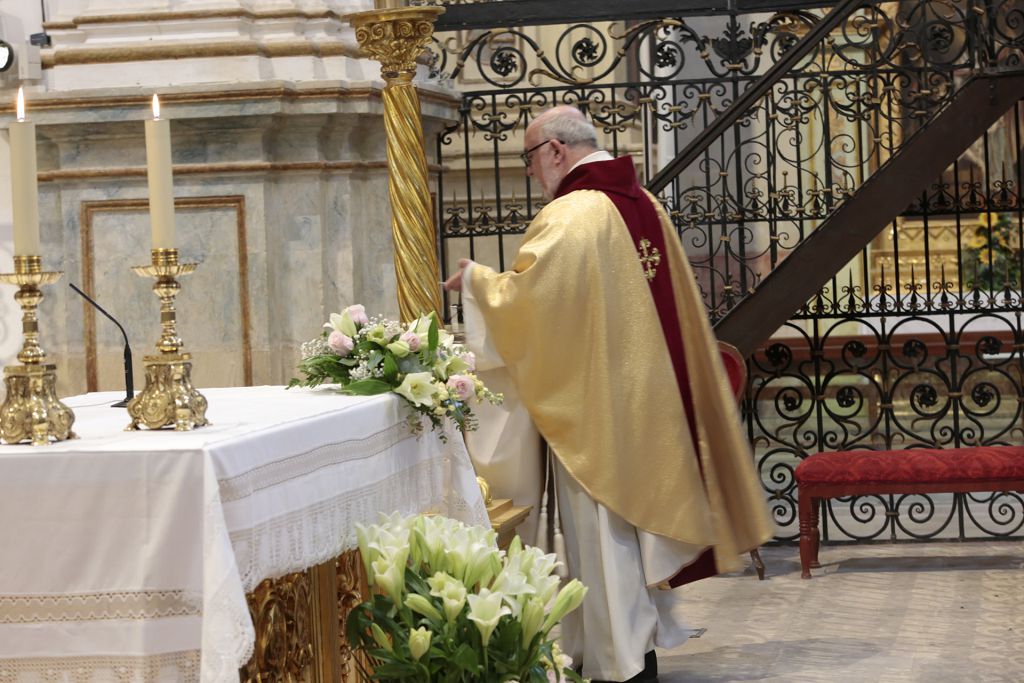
(412, 339)
(358, 314)
(469, 359)
(340, 343)
(461, 386)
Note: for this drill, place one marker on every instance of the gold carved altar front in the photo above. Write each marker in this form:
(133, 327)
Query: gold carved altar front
(300, 624)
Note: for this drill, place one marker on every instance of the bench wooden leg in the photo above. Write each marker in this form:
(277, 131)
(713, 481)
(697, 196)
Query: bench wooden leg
(806, 507)
(815, 532)
(755, 557)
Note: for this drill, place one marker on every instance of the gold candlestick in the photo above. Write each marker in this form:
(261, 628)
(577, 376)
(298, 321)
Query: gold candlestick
(31, 410)
(169, 397)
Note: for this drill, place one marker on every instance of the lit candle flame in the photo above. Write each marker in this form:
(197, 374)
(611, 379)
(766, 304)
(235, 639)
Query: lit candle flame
(21, 104)
(156, 107)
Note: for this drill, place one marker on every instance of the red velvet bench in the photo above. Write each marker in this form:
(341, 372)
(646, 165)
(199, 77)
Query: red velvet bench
(849, 473)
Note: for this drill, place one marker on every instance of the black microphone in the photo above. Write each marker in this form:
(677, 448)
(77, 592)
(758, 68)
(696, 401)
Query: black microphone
(129, 386)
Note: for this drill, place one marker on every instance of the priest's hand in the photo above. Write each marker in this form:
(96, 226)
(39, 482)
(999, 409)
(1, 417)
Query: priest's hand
(454, 283)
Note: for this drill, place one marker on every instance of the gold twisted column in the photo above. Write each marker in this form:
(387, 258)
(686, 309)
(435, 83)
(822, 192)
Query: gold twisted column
(395, 38)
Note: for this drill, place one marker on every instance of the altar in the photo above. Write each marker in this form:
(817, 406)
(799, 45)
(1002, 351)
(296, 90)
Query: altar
(128, 556)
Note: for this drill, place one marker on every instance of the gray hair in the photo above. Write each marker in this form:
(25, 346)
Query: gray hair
(571, 129)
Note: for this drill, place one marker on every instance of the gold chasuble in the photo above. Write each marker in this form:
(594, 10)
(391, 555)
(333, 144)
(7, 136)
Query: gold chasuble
(585, 321)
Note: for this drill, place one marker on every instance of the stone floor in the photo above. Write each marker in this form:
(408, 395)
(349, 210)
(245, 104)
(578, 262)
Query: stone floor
(873, 613)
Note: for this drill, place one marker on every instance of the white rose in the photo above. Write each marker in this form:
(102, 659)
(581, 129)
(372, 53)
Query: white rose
(399, 348)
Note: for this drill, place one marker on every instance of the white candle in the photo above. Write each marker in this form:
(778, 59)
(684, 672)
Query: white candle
(24, 185)
(158, 172)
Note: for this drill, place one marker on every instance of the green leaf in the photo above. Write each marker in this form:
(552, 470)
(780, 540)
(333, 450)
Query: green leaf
(390, 368)
(394, 670)
(432, 336)
(416, 583)
(465, 659)
(357, 624)
(320, 369)
(367, 387)
(571, 675)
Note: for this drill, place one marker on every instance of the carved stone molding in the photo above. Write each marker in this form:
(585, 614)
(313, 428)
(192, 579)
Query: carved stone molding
(235, 48)
(218, 96)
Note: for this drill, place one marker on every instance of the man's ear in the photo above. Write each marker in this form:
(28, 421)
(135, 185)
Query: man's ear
(559, 148)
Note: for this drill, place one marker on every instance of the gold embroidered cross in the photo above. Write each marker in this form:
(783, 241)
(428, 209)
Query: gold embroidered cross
(650, 258)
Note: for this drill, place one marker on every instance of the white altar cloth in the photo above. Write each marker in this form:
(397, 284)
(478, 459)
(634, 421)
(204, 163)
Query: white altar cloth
(126, 556)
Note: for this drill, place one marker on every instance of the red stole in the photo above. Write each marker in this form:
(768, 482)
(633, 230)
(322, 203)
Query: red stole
(617, 179)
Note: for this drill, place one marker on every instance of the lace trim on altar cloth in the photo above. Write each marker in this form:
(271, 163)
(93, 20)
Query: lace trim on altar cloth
(30, 609)
(311, 536)
(172, 667)
(302, 464)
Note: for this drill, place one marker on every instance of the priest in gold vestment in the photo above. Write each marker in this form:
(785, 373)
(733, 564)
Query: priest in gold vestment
(604, 335)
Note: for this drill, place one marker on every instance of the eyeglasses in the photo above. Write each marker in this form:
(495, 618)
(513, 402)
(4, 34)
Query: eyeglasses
(525, 156)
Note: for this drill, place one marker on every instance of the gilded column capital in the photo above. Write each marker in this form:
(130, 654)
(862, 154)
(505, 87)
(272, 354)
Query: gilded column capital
(395, 37)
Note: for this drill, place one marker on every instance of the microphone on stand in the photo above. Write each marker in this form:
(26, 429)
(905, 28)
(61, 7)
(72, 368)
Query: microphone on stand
(129, 387)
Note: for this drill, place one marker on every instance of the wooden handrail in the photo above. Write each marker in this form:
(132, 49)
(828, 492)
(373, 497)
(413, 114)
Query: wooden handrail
(517, 13)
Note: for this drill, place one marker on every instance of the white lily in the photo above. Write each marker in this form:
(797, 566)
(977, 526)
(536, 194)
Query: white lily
(390, 576)
(366, 536)
(451, 591)
(569, 598)
(546, 586)
(419, 642)
(480, 563)
(485, 610)
(342, 322)
(428, 544)
(381, 637)
(418, 388)
(420, 605)
(532, 618)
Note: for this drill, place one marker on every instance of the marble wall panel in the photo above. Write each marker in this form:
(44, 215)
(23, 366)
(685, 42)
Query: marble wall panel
(213, 305)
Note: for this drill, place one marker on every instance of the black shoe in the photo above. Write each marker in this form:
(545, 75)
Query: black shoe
(650, 672)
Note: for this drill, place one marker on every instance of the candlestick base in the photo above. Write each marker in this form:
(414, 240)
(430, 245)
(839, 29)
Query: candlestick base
(31, 410)
(169, 397)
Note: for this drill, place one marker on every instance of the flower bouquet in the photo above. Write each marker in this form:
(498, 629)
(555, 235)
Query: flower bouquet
(450, 607)
(419, 361)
